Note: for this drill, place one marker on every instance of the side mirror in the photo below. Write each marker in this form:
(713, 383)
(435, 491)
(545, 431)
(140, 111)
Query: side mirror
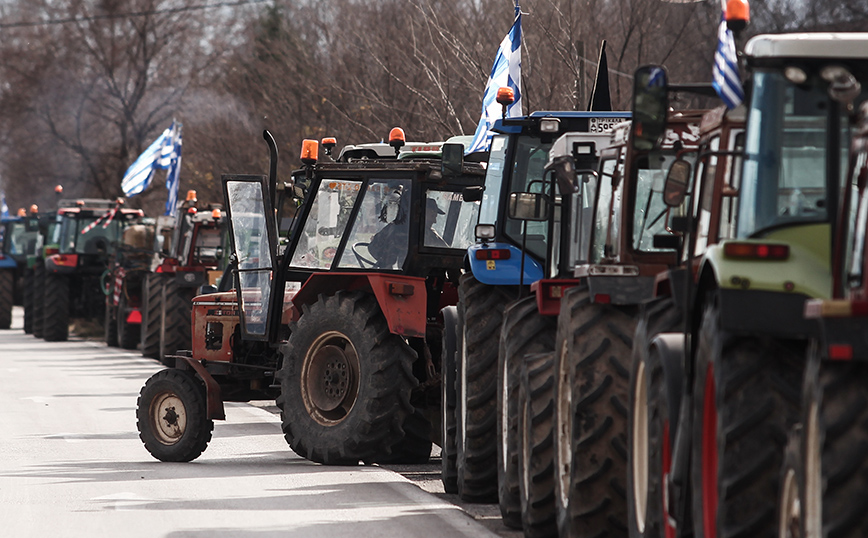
(675, 188)
(650, 106)
(452, 159)
(528, 206)
(472, 193)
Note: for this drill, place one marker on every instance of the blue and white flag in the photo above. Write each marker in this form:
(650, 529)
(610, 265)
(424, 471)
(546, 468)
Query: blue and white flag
(164, 153)
(172, 160)
(4, 209)
(725, 78)
(505, 72)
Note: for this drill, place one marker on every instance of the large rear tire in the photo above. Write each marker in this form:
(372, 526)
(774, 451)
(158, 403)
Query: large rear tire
(56, 308)
(152, 300)
(746, 398)
(448, 399)
(834, 448)
(175, 327)
(482, 314)
(595, 342)
(7, 297)
(650, 430)
(346, 382)
(536, 449)
(172, 416)
(524, 332)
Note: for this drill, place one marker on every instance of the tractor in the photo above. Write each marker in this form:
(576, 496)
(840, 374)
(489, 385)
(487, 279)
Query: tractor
(85, 237)
(339, 321)
(188, 254)
(713, 399)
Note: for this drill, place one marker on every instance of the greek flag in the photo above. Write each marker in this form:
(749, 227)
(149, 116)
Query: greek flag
(164, 153)
(4, 209)
(171, 159)
(505, 72)
(725, 78)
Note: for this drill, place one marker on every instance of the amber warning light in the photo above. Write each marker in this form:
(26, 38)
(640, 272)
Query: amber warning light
(309, 151)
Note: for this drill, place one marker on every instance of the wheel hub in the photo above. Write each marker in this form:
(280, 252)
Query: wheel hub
(168, 418)
(330, 378)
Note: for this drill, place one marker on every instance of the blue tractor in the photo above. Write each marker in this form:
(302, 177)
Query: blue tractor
(496, 273)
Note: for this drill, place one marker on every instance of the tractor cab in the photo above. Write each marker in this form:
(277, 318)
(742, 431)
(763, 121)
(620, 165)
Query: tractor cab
(384, 217)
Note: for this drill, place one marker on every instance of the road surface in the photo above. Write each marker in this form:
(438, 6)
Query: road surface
(73, 464)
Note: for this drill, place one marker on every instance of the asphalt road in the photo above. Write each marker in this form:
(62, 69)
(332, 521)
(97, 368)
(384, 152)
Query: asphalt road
(73, 465)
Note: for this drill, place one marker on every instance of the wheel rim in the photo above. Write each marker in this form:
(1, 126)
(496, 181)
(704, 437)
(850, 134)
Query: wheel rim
(813, 473)
(330, 378)
(564, 427)
(461, 403)
(788, 526)
(640, 448)
(709, 457)
(168, 418)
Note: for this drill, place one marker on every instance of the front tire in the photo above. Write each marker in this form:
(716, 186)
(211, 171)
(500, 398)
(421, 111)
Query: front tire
(38, 299)
(172, 417)
(27, 295)
(110, 323)
(346, 382)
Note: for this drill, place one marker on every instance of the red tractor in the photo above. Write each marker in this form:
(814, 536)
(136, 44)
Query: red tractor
(189, 253)
(341, 325)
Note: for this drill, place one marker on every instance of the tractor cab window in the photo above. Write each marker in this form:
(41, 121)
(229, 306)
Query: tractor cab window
(15, 243)
(449, 220)
(784, 179)
(528, 175)
(857, 226)
(380, 235)
(87, 236)
(582, 204)
(493, 180)
(326, 224)
(209, 245)
(649, 215)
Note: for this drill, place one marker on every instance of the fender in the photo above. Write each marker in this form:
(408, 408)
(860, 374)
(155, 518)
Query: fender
(213, 396)
(505, 270)
(402, 299)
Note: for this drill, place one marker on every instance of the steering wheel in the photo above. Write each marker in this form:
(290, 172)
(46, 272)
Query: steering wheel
(361, 259)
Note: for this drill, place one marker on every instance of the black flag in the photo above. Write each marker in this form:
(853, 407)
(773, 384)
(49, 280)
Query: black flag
(600, 99)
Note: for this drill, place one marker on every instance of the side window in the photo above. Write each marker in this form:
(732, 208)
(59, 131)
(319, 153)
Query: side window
(379, 237)
(858, 222)
(448, 220)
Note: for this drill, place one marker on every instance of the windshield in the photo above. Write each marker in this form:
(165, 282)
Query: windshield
(528, 171)
(784, 178)
(493, 180)
(85, 236)
(16, 242)
(649, 216)
(326, 223)
(379, 237)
